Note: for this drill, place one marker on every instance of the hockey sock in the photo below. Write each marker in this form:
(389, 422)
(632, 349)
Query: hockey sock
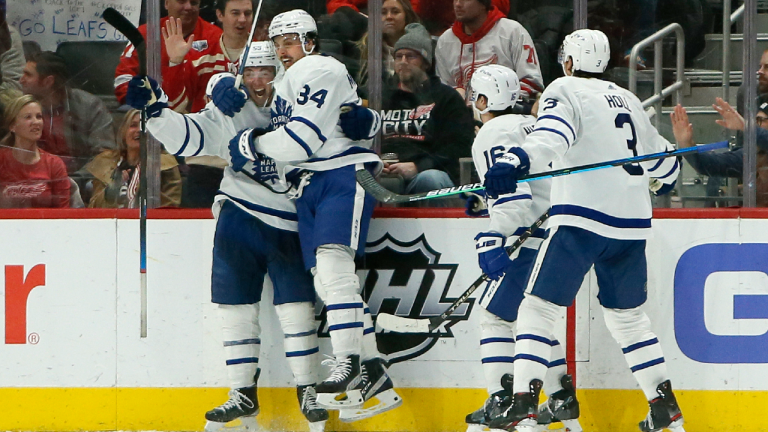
(557, 368)
(370, 350)
(632, 330)
(497, 349)
(241, 342)
(301, 349)
(335, 273)
(535, 323)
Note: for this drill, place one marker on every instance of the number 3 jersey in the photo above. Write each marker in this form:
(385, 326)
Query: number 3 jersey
(305, 115)
(587, 120)
(511, 214)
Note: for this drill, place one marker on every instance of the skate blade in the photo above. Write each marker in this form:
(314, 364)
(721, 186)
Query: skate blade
(337, 401)
(388, 400)
(239, 425)
(318, 426)
(471, 427)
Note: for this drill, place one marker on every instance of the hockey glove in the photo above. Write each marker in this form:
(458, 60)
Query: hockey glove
(226, 97)
(145, 93)
(491, 255)
(242, 148)
(358, 122)
(475, 204)
(502, 177)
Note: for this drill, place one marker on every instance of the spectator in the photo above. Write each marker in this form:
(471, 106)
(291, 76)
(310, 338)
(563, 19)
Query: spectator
(235, 17)
(77, 124)
(203, 37)
(11, 56)
(480, 36)
(29, 176)
(395, 14)
(116, 172)
(730, 163)
(425, 122)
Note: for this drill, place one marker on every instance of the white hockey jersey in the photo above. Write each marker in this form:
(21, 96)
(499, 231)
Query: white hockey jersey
(586, 120)
(305, 115)
(511, 214)
(208, 133)
(507, 43)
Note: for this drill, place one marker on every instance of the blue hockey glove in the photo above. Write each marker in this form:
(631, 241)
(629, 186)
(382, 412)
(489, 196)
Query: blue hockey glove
(502, 177)
(475, 204)
(145, 93)
(358, 122)
(491, 255)
(226, 97)
(242, 148)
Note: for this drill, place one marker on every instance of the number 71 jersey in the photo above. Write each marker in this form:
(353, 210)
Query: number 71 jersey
(587, 120)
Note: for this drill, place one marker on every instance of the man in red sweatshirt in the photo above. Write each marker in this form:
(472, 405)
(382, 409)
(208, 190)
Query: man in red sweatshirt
(481, 36)
(204, 36)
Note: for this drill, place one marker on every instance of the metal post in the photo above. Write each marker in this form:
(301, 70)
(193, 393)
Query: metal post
(375, 63)
(579, 14)
(750, 106)
(657, 79)
(726, 49)
(154, 69)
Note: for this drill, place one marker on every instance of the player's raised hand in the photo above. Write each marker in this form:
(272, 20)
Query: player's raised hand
(731, 118)
(145, 93)
(681, 127)
(175, 44)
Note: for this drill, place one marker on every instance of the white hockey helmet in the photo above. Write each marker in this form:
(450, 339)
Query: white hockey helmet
(499, 84)
(295, 21)
(589, 50)
(262, 54)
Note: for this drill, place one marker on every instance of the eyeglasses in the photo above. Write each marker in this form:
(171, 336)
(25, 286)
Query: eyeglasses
(407, 56)
(760, 120)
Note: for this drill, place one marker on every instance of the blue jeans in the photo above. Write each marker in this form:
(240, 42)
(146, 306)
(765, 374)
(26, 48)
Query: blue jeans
(428, 180)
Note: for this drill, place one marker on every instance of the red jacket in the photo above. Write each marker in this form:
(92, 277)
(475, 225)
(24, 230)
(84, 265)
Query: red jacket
(174, 83)
(440, 11)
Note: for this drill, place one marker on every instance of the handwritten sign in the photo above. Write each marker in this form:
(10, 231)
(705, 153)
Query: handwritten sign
(50, 22)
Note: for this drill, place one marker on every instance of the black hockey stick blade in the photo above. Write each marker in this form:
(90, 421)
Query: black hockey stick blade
(121, 24)
(369, 183)
(425, 325)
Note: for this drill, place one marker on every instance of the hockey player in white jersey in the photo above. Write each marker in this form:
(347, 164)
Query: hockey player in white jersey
(599, 218)
(495, 90)
(320, 157)
(256, 235)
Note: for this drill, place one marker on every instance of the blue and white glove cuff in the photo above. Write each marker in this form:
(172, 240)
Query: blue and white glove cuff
(244, 145)
(488, 241)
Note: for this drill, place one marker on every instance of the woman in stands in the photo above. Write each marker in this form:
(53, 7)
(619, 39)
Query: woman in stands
(29, 177)
(116, 172)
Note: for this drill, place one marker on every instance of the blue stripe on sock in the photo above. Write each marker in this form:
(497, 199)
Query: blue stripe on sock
(535, 338)
(559, 362)
(496, 339)
(532, 358)
(242, 360)
(340, 306)
(369, 330)
(255, 341)
(302, 353)
(639, 345)
(345, 326)
(302, 334)
(498, 359)
(648, 364)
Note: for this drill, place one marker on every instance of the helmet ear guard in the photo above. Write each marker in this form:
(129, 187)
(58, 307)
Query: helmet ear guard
(589, 51)
(499, 84)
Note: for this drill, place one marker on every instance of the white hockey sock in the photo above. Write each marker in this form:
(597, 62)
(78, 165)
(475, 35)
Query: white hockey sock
(535, 323)
(370, 350)
(632, 330)
(301, 349)
(335, 273)
(557, 368)
(497, 349)
(241, 342)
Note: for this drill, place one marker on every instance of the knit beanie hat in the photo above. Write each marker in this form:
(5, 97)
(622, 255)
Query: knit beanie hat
(416, 38)
(762, 104)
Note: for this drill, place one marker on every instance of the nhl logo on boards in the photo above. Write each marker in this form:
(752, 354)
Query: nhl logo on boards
(406, 278)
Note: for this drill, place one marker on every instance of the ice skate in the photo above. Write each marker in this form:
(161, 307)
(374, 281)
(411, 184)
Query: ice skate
(562, 406)
(315, 415)
(243, 404)
(377, 386)
(521, 415)
(664, 412)
(343, 388)
(494, 406)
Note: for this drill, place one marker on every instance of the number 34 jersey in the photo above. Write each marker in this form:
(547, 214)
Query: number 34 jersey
(305, 115)
(587, 120)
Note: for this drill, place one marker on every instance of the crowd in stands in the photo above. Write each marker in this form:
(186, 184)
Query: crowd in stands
(66, 147)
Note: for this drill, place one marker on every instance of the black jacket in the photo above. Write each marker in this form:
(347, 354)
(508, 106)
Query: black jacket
(728, 164)
(432, 127)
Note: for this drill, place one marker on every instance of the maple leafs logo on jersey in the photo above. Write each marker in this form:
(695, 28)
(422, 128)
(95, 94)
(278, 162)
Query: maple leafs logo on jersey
(281, 113)
(406, 278)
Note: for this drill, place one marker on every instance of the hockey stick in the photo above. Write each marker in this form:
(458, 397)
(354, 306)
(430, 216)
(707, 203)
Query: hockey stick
(244, 55)
(369, 183)
(425, 325)
(121, 24)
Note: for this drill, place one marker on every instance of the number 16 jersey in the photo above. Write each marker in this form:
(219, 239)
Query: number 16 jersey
(587, 120)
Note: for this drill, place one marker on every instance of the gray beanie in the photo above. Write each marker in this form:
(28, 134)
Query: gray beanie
(416, 38)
